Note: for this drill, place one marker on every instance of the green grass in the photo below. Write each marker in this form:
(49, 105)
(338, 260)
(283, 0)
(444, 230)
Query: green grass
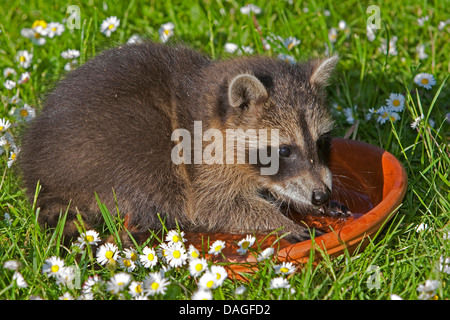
(397, 261)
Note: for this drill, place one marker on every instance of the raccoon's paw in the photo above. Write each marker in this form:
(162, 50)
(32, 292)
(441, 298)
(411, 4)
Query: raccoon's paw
(302, 234)
(337, 210)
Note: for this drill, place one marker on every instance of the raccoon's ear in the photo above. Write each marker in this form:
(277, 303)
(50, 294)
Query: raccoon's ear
(322, 71)
(244, 90)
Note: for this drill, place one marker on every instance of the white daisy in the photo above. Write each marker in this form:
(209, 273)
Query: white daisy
(66, 276)
(163, 250)
(332, 35)
(54, 29)
(208, 281)
(176, 255)
(36, 34)
(173, 236)
(53, 266)
(107, 253)
(70, 54)
(109, 25)
(291, 42)
(385, 114)
(148, 257)
(217, 247)
(245, 243)
(12, 265)
(202, 294)
(428, 290)
(220, 273)
(9, 72)
(248, 8)
(92, 284)
(66, 296)
(9, 84)
(390, 48)
(118, 282)
(425, 80)
(370, 31)
(284, 268)
(396, 102)
(231, 47)
(193, 252)
(420, 50)
(71, 65)
(166, 31)
(197, 266)
(13, 156)
(127, 264)
(279, 283)
(444, 264)
(416, 122)
(90, 237)
(265, 254)
(24, 58)
(240, 290)
(155, 283)
(19, 279)
(287, 58)
(24, 78)
(135, 39)
(136, 289)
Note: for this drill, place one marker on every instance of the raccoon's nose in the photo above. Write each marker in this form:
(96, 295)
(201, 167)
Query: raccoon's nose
(320, 197)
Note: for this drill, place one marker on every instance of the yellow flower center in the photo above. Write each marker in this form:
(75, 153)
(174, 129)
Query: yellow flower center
(290, 46)
(176, 254)
(154, 285)
(38, 23)
(22, 59)
(2, 128)
(209, 284)
(194, 254)
(127, 263)
(55, 268)
(109, 254)
(166, 32)
(396, 103)
(175, 238)
(133, 256)
(424, 81)
(385, 115)
(120, 284)
(198, 267)
(138, 289)
(54, 29)
(13, 156)
(37, 35)
(218, 276)
(150, 256)
(110, 26)
(245, 244)
(218, 248)
(284, 270)
(88, 238)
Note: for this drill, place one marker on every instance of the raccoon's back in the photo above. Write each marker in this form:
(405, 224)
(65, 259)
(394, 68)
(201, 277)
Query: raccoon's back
(108, 124)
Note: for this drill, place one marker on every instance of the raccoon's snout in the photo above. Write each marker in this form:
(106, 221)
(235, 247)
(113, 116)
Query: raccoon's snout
(320, 197)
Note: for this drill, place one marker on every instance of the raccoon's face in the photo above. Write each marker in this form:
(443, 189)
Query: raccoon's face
(295, 109)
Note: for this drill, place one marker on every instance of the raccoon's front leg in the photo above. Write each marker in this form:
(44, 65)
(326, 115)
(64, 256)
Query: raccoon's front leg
(266, 217)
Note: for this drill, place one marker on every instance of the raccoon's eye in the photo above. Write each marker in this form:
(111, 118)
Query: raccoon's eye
(284, 152)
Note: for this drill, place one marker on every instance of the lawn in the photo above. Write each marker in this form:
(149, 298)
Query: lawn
(390, 89)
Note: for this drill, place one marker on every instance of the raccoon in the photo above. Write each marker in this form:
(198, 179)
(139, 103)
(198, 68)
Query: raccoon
(107, 129)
